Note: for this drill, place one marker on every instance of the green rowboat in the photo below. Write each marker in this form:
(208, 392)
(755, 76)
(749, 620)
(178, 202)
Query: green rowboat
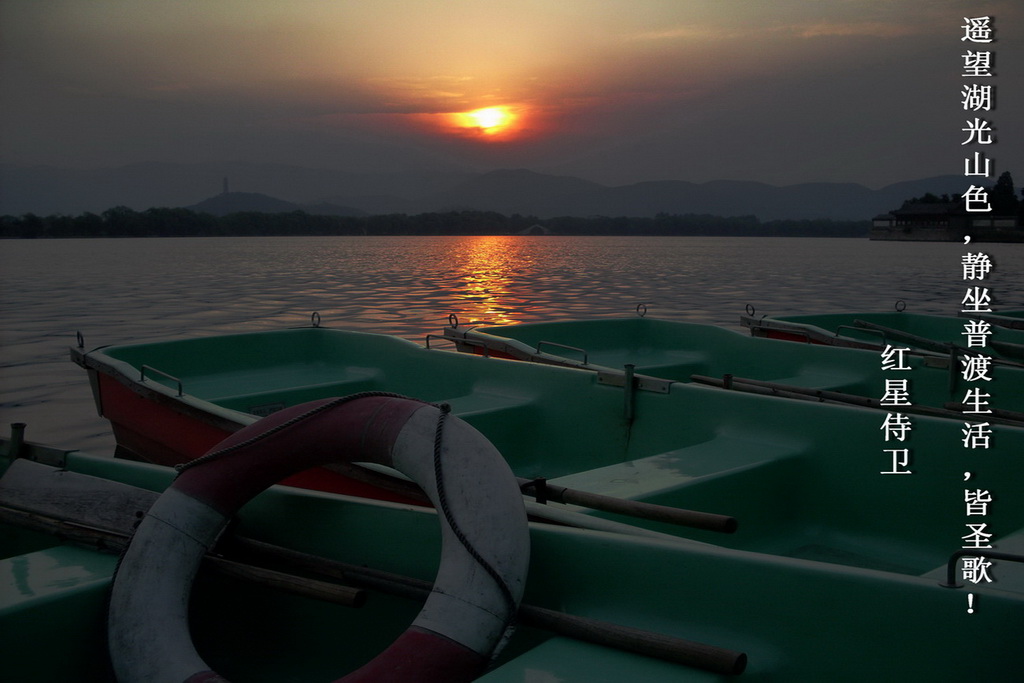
(662, 350)
(598, 607)
(934, 333)
(804, 480)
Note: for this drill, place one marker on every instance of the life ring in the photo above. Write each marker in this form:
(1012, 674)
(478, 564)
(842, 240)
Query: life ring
(477, 588)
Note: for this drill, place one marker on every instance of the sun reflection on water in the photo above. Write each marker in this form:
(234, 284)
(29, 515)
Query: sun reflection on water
(487, 288)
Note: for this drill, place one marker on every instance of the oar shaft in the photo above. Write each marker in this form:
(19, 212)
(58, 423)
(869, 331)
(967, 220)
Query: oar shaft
(906, 337)
(656, 645)
(1003, 348)
(660, 513)
(999, 414)
(114, 541)
(765, 388)
(709, 521)
(298, 585)
(646, 643)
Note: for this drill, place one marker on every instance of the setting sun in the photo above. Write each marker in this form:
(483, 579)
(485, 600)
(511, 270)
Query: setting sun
(489, 120)
(491, 117)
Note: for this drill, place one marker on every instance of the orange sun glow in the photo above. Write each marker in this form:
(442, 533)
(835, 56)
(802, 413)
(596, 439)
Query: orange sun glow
(489, 120)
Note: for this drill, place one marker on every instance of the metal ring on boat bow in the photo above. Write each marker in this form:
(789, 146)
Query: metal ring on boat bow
(484, 537)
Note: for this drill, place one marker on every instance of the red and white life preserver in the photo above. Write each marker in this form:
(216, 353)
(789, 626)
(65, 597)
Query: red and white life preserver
(465, 615)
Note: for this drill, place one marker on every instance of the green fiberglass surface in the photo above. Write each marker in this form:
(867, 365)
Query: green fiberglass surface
(804, 480)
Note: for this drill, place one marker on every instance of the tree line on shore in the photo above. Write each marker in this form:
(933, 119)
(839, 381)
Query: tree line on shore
(175, 222)
(1001, 197)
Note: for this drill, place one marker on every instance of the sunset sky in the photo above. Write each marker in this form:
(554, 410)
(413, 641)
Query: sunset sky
(617, 91)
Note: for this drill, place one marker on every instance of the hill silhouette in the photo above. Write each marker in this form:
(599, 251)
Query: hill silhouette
(529, 193)
(46, 191)
(248, 202)
(238, 202)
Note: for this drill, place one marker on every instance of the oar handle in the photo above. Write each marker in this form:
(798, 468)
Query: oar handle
(708, 521)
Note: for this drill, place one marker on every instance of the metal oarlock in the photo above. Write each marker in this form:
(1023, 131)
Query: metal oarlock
(630, 392)
(582, 352)
(537, 487)
(17, 439)
(151, 369)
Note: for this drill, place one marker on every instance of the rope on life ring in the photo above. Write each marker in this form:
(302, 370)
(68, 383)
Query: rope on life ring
(484, 537)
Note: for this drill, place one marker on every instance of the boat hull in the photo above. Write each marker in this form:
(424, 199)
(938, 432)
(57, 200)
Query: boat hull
(152, 426)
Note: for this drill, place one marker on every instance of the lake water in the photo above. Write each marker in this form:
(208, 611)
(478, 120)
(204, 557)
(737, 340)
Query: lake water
(115, 291)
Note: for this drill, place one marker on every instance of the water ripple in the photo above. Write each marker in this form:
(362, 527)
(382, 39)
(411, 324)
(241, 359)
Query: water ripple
(125, 290)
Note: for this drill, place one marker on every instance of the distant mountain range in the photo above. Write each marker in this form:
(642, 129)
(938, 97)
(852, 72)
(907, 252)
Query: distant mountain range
(274, 188)
(236, 202)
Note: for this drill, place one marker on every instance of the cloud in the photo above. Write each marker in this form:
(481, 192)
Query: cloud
(707, 33)
(89, 82)
(875, 29)
(681, 33)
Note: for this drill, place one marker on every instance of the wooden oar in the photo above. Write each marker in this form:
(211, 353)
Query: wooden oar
(111, 541)
(1008, 322)
(824, 396)
(1006, 348)
(36, 496)
(660, 513)
(906, 337)
(647, 643)
(543, 491)
(998, 415)
(299, 585)
(114, 541)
